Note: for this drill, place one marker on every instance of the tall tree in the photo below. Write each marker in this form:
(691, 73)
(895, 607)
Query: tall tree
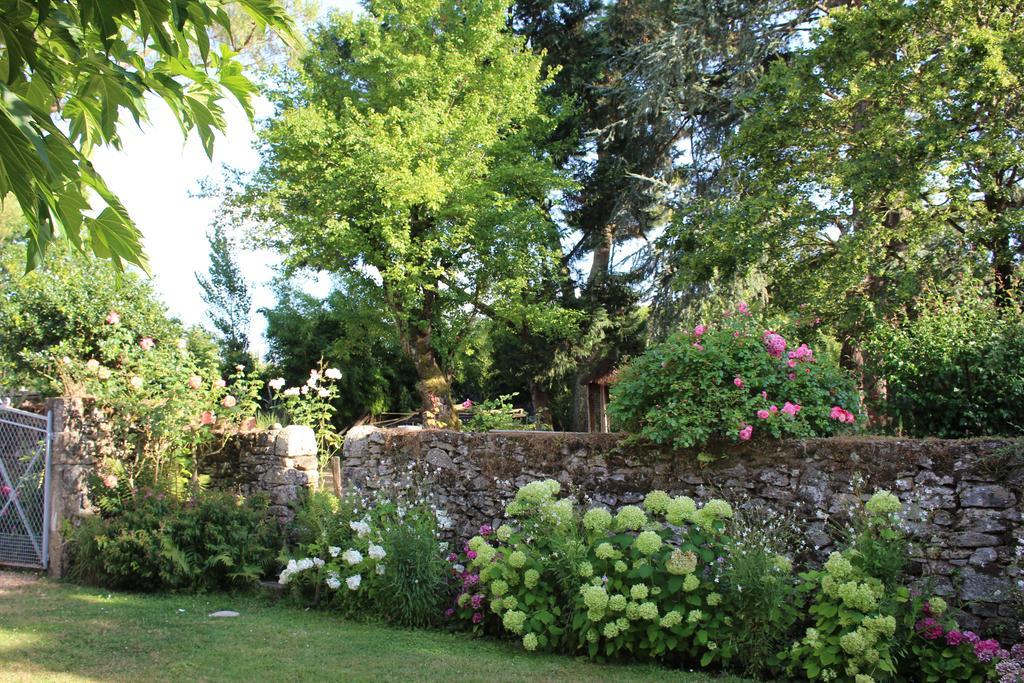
(70, 70)
(226, 293)
(406, 155)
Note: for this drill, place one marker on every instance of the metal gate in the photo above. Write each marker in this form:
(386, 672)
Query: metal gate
(24, 487)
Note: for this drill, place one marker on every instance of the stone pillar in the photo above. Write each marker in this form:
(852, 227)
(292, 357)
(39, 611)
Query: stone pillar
(280, 463)
(75, 450)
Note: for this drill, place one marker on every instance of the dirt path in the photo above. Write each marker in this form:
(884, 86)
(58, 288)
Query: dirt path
(10, 580)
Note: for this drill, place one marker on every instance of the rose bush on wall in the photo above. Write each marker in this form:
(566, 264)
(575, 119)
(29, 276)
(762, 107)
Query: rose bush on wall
(736, 379)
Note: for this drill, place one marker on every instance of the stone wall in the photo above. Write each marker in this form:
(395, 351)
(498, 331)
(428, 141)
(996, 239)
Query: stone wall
(278, 462)
(962, 497)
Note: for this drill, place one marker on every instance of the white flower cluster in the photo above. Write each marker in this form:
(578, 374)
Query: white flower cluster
(351, 557)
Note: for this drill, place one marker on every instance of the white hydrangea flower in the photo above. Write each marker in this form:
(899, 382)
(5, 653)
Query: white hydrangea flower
(276, 384)
(353, 556)
(332, 373)
(376, 552)
(304, 564)
(333, 581)
(380, 570)
(334, 550)
(318, 562)
(291, 391)
(361, 528)
(353, 582)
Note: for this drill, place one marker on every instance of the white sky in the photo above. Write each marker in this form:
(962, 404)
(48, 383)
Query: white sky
(154, 174)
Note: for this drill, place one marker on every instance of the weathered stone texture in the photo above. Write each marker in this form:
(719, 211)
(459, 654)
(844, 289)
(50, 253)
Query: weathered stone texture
(962, 498)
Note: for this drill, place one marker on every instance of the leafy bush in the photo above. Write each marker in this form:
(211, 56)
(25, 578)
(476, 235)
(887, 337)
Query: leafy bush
(954, 369)
(734, 380)
(377, 559)
(492, 414)
(150, 541)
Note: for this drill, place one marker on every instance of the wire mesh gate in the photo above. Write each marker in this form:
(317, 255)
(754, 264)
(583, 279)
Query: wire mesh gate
(24, 487)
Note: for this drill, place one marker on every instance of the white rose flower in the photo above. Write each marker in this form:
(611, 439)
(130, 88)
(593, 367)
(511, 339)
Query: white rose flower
(332, 373)
(353, 582)
(276, 384)
(376, 552)
(353, 556)
(291, 391)
(322, 393)
(334, 550)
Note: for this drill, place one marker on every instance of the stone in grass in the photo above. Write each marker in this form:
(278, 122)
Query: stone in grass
(224, 613)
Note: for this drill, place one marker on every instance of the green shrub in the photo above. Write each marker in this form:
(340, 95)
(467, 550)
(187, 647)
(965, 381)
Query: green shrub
(494, 413)
(379, 559)
(735, 380)
(954, 369)
(214, 541)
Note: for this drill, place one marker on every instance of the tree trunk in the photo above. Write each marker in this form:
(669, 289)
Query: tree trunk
(433, 386)
(541, 405)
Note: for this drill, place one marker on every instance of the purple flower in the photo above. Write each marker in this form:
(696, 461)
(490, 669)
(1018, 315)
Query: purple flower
(486, 530)
(929, 628)
(954, 638)
(478, 617)
(471, 554)
(477, 601)
(972, 637)
(471, 580)
(985, 649)
(453, 558)
(449, 613)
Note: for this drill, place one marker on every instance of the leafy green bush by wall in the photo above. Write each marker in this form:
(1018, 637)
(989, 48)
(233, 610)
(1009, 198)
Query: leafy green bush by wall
(376, 559)
(954, 369)
(736, 379)
(150, 541)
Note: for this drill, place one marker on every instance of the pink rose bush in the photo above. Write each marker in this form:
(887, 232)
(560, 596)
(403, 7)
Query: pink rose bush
(734, 379)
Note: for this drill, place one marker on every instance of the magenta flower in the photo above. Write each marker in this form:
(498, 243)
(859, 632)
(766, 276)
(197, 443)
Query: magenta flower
(453, 558)
(477, 601)
(449, 613)
(774, 343)
(954, 638)
(6, 490)
(842, 415)
(698, 346)
(984, 650)
(746, 432)
(478, 617)
(699, 330)
(743, 309)
(929, 628)
(471, 554)
(738, 382)
(486, 530)
(763, 414)
(467, 404)
(790, 408)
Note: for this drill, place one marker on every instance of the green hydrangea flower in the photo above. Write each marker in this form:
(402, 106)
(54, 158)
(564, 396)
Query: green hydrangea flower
(517, 558)
(648, 542)
(783, 563)
(606, 551)
(680, 563)
(648, 611)
(621, 567)
(597, 520)
(463, 599)
(882, 626)
(514, 620)
(694, 616)
(476, 542)
(499, 587)
(617, 602)
(611, 630)
(691, 583)
(937, 605)
(838, 566)
(530, 578)
(863, 678)
(593, 636)
(680, 510)
(530, 642)
(561, 512)
(714, 599)
(638, 591)
(509, 602)
(595, 614)
(594, 597)
(497, 605)
(585, 569)
(630, 518)
(504, 533)
(623, 624)
(657, 502)
(656, 590)
(883, 503)
(672, 619)
(853, 643)
(632, 611)
(812, 638)
(858, 596)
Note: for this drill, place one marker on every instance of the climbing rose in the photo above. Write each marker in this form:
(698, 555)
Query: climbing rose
(763, 414)
(738, 382)
(332, 373)
(147, 343)
(113, 318)
(276, 384)
(790, 408)
(746, 432)
(219, 384)
(207, 418)
(195, 381)
(229, 401)
(110, 481)
(774, 343)
(700, 330)
(136, 382)
(842, 415)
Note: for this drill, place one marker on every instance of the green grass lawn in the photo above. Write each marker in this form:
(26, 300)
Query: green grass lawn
(57, 632)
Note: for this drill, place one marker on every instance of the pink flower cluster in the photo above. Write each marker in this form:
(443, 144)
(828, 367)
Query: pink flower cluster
(746, 431)
(985, 650)
(842, 415)
(802, 354)
(774, 343)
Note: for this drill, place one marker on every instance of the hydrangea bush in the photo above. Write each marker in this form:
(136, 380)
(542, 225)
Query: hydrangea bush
(736, 380)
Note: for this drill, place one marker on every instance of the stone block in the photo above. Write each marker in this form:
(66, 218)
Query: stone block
(295, 441)
(987, 496)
